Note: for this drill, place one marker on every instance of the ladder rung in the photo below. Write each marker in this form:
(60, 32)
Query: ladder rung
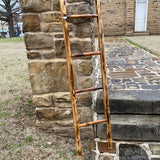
(85, 54)
(91, 123)
(80, 16)
(88, 89)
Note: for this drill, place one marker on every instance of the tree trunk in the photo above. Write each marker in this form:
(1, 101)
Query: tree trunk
(11, 27)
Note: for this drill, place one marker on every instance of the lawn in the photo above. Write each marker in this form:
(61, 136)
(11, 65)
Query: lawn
(148, 43)
(13, 40)
(20, 140)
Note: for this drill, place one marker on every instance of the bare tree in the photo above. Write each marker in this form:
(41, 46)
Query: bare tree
(9, 8)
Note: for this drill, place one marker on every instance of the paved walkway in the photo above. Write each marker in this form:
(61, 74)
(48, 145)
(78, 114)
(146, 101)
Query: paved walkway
(152, 43)
(131, 68)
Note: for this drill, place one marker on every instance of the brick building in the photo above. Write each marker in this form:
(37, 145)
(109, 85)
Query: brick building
(131, 17)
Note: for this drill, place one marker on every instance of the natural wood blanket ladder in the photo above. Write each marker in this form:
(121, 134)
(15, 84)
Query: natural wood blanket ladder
(73, 92)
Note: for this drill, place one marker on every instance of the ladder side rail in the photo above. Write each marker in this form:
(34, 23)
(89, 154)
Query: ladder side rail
(71, 77)
(103, 73)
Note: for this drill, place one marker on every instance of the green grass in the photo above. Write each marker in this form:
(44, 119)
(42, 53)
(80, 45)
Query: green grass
(15, 40)
(137, 45)
(30, 139)
(3, 115)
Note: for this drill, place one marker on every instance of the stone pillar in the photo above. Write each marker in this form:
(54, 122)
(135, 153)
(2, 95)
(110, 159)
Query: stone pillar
(130, 16)
(47, 63)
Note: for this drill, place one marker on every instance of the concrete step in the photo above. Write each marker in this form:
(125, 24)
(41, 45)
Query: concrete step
(131, 102)
(132, 127)
(137, 34)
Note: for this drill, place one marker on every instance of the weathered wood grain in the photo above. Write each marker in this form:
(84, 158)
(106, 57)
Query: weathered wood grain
(80, 16)
(73, 92)
(104, 74)
(71, 77)
(91, 123)
(88, 89)
(85, 54)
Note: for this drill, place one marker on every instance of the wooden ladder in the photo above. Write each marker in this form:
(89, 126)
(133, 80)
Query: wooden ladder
(73, 92)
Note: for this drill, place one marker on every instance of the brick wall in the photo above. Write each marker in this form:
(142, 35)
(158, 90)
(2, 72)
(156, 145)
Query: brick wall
(119, 17)
(153, 24)
(47, 63)
(113, 17)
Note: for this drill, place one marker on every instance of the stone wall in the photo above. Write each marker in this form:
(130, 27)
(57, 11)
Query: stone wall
(47, 64)
(119, 17)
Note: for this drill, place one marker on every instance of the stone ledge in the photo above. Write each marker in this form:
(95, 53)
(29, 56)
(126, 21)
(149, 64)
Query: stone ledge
(131, 101)
(132, 127)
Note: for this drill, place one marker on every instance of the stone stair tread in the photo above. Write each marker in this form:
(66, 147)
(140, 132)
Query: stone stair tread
(132, 127)
(131, 101)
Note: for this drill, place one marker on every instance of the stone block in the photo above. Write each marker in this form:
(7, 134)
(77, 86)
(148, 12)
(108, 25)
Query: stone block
(56, 5)
(93, 155)
(31, 23)
(65, 129)
(79, 8)
(77, 46)
(59, 47)
(85, 115)
(43, 101)
(41, 54)
(48, 76)
(84, 99)
(93, 145)
(103, 147)
(52, 27)
(53, 114)
(51, 17)
(39, 5)
(84, 82)
(155, 149)
(38, 41)
(47, 54)
(62, 99)
(81, 45)
(83, 67)
(131, 151)
(82, 30)
(58, 35)
(105, 157)
(87, 132)
(33, 54)
(58, 127)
